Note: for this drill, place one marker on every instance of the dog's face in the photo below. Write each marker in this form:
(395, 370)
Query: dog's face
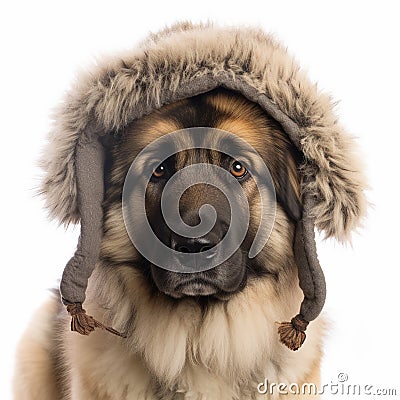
(225, 278)
(217, 109)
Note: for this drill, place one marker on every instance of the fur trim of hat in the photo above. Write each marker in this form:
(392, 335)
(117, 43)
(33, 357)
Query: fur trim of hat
(121, 89)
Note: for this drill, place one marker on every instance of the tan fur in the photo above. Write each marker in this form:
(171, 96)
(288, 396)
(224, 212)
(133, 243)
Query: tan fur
(175, 349)
(34, 374)
(228, 341)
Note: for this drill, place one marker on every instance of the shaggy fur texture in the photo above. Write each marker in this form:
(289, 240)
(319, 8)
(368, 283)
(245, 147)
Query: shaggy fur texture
(166, 67)
(188, 348)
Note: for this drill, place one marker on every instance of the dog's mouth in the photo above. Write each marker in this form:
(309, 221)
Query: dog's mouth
(220, 282)
(196, 287)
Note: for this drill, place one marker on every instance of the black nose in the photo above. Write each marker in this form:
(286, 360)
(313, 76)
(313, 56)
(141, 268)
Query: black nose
(201, 244)
(192, 245)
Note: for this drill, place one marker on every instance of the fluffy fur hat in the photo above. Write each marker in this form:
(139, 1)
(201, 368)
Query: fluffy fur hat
(176, 63)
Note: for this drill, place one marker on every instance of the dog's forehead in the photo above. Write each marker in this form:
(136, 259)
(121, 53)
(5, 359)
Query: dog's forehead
(157, 125)
(224, 111)
(196, 155)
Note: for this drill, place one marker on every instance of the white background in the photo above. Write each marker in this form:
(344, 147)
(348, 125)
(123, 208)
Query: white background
(350, 48)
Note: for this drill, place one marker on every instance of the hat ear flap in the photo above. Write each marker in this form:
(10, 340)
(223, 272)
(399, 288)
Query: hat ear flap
(311, 276)
(311, 280)
(89, 170)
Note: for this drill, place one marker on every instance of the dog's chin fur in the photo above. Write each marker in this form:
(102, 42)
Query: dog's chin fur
(200, 291)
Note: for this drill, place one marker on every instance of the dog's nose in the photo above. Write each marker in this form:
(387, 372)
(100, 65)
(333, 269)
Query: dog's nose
(201, 244)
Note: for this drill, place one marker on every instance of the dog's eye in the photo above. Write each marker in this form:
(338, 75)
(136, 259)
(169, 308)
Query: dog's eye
(159, 171)
(238, 170)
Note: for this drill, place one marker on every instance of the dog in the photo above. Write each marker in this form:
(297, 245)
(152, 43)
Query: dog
(206, 335)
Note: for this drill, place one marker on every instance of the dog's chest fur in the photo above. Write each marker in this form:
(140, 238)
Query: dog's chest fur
(181, 352)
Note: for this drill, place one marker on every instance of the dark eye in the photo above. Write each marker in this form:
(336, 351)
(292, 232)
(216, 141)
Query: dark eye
(159, 171)
(237, 169)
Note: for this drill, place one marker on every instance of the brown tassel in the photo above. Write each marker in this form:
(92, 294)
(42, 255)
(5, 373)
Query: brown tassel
(84, 323)
(292, 334)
